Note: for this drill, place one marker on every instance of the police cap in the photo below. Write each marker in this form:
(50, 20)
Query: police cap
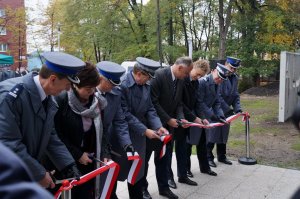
(112, 71)
(234, 62)
(147, 65)
(65, 64)
(223, 71)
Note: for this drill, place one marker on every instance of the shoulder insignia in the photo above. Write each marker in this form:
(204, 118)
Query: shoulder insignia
(15, 91)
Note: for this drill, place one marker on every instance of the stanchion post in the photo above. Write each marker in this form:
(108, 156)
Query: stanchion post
(66, 194)
(247, 160)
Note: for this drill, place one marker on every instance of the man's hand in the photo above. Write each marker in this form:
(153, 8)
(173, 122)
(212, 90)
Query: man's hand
(185, 123)
(198, 120)
(239, 111)
(205, 122)
(84, 159)
(162, 131)
(173, 123)
(47, 181)
(151, 134)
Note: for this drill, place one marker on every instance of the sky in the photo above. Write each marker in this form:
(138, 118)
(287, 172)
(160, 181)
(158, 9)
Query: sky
(34, 8)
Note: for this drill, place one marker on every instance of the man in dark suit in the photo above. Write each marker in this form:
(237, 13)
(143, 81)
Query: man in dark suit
(196, 136)
(166, 94)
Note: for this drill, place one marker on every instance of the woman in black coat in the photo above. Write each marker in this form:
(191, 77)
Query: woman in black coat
(78, 123)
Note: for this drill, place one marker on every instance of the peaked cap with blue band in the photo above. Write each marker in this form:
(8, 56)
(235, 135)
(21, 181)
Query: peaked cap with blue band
(234, 62)
(147, 65)
(65, 64)
(223, 71)
(112, 71)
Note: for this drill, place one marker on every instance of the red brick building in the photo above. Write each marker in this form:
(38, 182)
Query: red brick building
(13, 31)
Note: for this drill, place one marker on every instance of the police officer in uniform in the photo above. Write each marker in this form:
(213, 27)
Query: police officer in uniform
(208, 105)
(114, 123)
(230, 104)
(27, 110)
(140, 114)
(15, 179)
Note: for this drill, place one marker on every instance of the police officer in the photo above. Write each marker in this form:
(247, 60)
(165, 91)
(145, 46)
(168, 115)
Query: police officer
(114, 123)
(208, 104)
(27, 111)
(230, 104)
(15, 179)
(141, 116)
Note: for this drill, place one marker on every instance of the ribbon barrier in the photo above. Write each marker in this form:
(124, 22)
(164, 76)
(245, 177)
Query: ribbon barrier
(135, 167)
(165, 140)
(215, 124)
(113, 171)
(243, 160)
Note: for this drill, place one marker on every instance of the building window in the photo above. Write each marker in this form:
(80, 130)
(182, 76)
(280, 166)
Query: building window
(3, 47)
(2, 30)
(2, 12)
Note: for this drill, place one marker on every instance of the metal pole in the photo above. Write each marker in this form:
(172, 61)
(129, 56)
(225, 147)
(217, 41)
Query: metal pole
(66, 194)
(247, 160)
(158, 34)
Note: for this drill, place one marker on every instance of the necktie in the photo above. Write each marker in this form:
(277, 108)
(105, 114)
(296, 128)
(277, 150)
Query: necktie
(45, 103)
(174, 87)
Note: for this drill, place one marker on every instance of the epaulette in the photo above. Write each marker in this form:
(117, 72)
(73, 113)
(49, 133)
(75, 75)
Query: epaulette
(15, 92)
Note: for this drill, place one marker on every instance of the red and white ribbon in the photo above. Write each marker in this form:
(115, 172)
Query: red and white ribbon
(113, 171)
(229, 119)
(165, 139)
(135, 167)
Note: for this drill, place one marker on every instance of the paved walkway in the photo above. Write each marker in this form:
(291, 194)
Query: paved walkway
(236, 181)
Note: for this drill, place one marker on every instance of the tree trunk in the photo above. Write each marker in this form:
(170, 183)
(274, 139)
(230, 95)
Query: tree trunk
(224, 24)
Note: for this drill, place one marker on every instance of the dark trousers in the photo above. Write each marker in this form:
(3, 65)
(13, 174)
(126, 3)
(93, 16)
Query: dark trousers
(136, 190)
(201, 154)
(221, 151)
(181, 152)
(161, 167)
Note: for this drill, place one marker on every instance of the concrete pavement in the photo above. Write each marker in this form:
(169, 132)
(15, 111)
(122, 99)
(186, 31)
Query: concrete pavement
(235, 181)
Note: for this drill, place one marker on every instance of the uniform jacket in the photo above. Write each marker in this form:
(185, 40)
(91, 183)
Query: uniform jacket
(229, 95)
(162, 91)
(140, 114)
(27, 129)
(16, 180)
(114, 123)
(208, 100)
(69, 127)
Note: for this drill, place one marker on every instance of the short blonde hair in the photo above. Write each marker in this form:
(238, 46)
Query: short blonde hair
(202, 64)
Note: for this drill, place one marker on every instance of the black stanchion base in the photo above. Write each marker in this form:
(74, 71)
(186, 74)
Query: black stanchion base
(247, 161)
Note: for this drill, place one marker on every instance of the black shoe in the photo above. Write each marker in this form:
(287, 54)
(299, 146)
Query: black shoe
(189, 174)
(225, 161)
(168, 193)
(146, 194)
(212, 163)
(187, 181)
(172, 184)
(210, 172)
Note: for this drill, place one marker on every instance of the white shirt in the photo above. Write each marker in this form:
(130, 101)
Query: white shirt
(173, 76)
(39, 87)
